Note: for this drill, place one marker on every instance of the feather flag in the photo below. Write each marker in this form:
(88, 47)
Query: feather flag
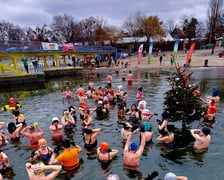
(150, 52)
(140, 53)
(175, 50)
(190, 52)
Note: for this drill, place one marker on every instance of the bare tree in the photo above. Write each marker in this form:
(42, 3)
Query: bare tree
(11, 32)
(169, 26)
(214, 16)
(64, 28)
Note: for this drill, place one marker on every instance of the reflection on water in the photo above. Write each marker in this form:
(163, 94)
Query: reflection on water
(40, 103)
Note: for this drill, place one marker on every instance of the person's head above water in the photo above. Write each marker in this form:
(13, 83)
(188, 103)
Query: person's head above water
(170, 176)
(104, 147)
(206, 131)
(133, 146)
(11, 127)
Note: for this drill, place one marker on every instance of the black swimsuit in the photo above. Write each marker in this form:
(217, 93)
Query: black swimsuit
(89, 145)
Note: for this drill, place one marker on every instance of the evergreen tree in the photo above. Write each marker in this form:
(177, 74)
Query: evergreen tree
(182, 101)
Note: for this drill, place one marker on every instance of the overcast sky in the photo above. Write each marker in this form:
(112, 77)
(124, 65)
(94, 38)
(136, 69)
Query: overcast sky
(38, 12)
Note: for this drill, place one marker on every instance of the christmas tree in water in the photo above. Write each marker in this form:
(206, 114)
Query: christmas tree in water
(182, 101)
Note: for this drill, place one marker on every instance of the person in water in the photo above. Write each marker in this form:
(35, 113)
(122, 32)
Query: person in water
(14, 130)
(33, 136)
(36, 171)
(105, 154)
(130, 77)
(67, 121)
(125, 131)
(68, 93)
(166, 136)
(3, 139)
(148, 133)
(90, 135)
(19, 118)
(13, 103)
(215, 97)
(56, 130)
(87, 116)
(4, 163)
(133, 153)
(123, 75)
(202, 138)
(109, 79)
(43, 154)
(133, 114)
(72, 111)
(69, 157)
(164, 123)
(80, 89)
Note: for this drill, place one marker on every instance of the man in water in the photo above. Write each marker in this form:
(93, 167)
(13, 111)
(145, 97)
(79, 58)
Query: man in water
(33, 136)
(132, 153)
(56, 130)
(69, 157)
(109, 80)
(130, 77)
(202, 138)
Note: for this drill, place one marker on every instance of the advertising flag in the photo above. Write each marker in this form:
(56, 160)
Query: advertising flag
(190, 52)
(175, 51)
(140, 53)
(150, 52)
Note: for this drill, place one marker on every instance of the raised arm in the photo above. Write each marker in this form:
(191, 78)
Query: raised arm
(128, 142)
(142, 145)
(55, 168)
(193, 133)
(24, 133)
(96, 132)
(40, 130)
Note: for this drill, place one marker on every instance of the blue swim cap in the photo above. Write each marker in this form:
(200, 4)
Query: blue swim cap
(215, 92)
(133, 146)
(147, 126)
(87, 111)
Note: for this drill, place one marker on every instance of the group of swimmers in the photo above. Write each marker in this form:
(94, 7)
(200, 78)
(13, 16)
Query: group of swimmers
(139, 121)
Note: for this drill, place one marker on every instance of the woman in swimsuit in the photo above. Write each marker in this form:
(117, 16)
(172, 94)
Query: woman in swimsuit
(133, 114)
(166, 136)
(90, 135)
(67, 120)
(4, 163)
(19, 118)
(43, 153)
(105, 154)
(13, 131)
(148, 133)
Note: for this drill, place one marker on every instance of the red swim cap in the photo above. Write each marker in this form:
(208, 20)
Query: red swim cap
(97, 93)
(82, 103)
(11, 99)
(104, 147)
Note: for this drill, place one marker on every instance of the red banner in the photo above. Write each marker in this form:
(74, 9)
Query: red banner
(140, 53)
(68, 48)
(190, 52)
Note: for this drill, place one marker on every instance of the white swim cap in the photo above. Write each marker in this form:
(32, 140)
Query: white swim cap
(143, 104)
(170, 176)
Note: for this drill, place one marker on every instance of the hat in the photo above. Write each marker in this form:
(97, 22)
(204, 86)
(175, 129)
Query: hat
(104, 147)
(120, 87)
(82, 103)
(65, 143)
(133, 146)
(66, 111)
(113, 177)
(146, 125)
(11, 127)
(97, 93)
(170, 176)
(205, 131)
(11, 99)
(54, 119)
(87, 111)
(105, 98)
(165, 115)
(215, 92)
(143, 104)
(100, 102)
(111, 91)
(42, 142)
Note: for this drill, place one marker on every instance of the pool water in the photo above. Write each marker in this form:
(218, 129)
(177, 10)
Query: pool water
(41, 102)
